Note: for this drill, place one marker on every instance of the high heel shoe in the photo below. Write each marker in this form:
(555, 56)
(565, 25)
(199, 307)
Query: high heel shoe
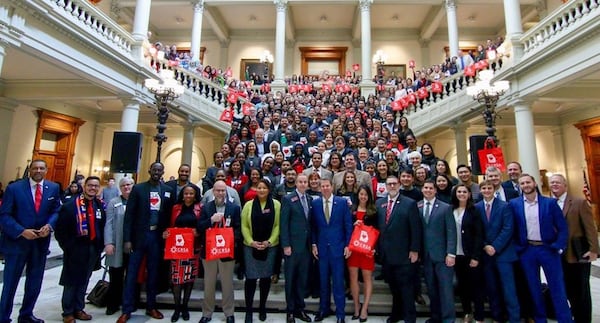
(356, 317)
(362, 319)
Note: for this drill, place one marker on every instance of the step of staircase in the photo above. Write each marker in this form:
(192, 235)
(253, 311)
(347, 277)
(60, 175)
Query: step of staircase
(381, 300)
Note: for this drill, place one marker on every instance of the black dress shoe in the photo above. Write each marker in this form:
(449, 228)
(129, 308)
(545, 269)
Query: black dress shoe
(205, 319)
(289, 318)
(321, 316)
(185, 314)
(391, 320)
(341, 321)
(230, 319)
(248, 318)
(302, 316)
(262, 315)
(30, 319)
(175, 316)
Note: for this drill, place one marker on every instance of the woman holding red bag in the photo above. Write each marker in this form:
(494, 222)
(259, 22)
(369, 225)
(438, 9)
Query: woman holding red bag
(186, 213)
(363, 212)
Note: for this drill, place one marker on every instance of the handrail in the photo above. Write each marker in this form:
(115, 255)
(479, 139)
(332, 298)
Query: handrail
(573, 12)
(89, 18)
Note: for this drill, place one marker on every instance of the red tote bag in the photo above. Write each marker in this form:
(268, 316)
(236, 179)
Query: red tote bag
(491, 156)
(179, 244)
(220, 243)
(363, 239)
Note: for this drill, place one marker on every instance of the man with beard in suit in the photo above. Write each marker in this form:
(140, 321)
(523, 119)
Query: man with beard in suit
(147, 215)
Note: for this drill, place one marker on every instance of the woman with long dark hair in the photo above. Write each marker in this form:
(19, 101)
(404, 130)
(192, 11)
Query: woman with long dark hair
(364, 212)
(186, 213)
(260, 230)
(469, 248)
(443, 187)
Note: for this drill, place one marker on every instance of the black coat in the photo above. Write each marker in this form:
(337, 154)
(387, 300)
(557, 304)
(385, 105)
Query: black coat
(472, 234)
(137, 214)
(402, 234)
(77, 253)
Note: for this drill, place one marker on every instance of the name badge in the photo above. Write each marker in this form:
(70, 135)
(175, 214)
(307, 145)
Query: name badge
(167, 194)
(118, 204)
(98, 214)
(228, 222)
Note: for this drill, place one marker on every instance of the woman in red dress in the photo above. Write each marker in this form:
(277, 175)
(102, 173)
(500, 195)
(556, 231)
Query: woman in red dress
(363, 212)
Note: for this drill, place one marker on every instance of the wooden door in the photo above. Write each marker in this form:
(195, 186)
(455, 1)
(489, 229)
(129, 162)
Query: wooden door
(55, 143)
(590, 134)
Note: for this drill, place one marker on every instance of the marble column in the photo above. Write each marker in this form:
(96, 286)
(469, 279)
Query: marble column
(514, 29)
(356, 53)
(460, 138)
(526, 139)
(140, 28)
(367, 85)
(452, 27)
(197, 29)
(187, 148)
(279, 83)
(131, 113)
(7, 112)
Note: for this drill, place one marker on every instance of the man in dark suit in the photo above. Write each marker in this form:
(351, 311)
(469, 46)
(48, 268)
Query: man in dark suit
(494, 175)
(148, 214)
(398, 248)
(513, 170)
(295, 238)
(224, 213)
(582, 248)
(500, 254)
(331, 231)
(542, 233)
(28, 213)
(80, 233)
(439, 253)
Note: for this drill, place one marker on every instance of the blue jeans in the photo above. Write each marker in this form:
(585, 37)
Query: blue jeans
(151, 249)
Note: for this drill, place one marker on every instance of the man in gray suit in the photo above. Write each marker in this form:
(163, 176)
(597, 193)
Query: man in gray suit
(439, 236)
(295, 240)
(362, 177)
(317, 162)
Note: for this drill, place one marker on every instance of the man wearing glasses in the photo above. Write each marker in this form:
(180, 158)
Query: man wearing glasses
(399, 247)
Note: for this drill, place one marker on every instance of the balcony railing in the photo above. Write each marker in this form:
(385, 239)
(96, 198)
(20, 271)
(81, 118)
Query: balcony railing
(573, 13)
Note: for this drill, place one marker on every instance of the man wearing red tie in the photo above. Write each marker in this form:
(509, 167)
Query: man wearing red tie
(27, 215)
(400, 242)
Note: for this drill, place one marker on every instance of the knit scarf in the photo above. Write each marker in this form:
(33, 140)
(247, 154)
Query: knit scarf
(82, 219)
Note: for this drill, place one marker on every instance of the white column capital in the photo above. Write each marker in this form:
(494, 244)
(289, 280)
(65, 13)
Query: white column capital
(8, 104)
(198, 5)
(365, 5)
(280, 5)
(450, 4)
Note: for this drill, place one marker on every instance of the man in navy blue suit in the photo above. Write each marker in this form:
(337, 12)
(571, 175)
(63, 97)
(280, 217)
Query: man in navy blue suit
(500, 254)
(513, 170)
(541, 239)
(331, 231)
(494, 175)
(28, 214)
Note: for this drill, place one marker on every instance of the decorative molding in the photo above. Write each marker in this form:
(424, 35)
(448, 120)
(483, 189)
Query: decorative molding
(365, 5)
(280, 5)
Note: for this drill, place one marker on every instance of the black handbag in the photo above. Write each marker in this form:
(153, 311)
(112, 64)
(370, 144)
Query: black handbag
(97, 295)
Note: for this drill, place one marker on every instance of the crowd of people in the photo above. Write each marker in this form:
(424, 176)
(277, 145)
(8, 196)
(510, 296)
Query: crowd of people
(297, 175)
